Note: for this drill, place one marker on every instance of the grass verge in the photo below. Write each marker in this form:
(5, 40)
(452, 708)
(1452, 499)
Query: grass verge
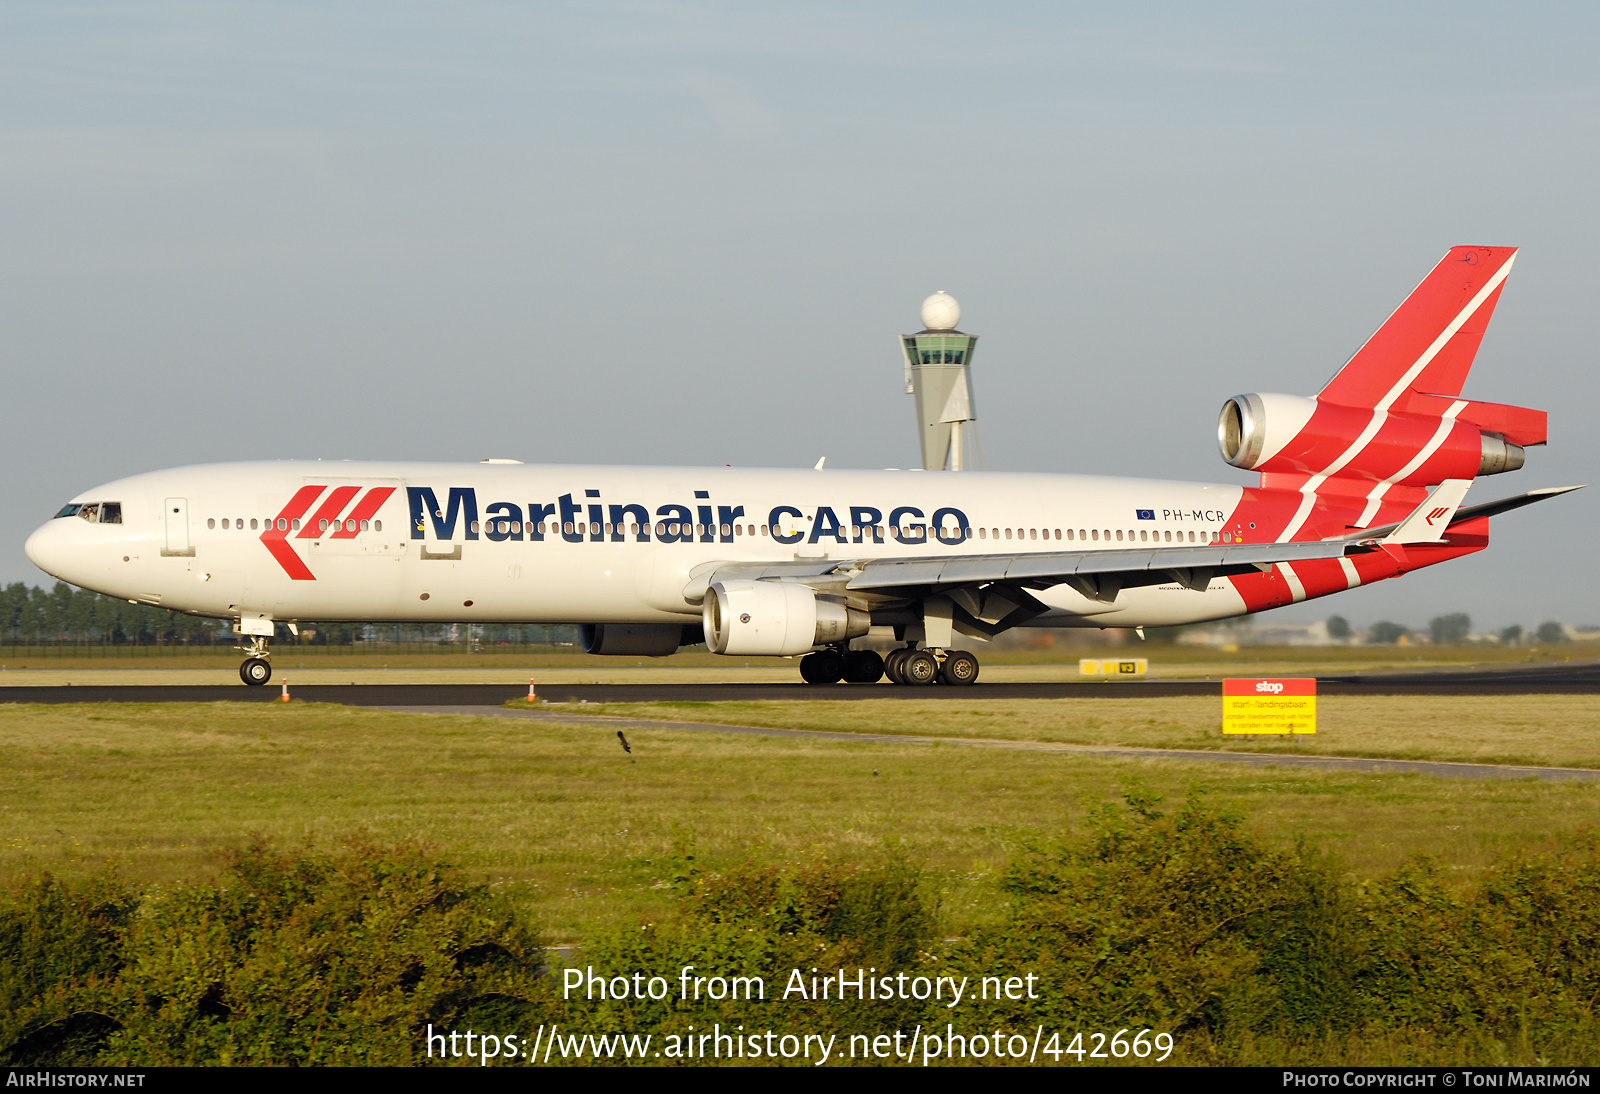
(1547, 730)
(581, 834)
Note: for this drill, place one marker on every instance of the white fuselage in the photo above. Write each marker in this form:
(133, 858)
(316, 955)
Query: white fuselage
(517, 543)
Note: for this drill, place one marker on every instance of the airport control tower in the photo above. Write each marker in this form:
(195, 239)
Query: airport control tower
(937, 359)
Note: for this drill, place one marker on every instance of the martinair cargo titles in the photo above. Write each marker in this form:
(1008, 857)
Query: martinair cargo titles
(1362, 482)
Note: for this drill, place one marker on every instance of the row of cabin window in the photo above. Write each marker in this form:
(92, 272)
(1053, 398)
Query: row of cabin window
(515, 527)
(286, 525)
(1094, 534)
(1142, 536)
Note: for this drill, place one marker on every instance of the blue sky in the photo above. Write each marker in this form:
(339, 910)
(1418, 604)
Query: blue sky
(681, 233)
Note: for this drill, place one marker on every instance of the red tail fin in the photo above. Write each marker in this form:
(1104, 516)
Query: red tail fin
(1392, 422)
(1429, 342)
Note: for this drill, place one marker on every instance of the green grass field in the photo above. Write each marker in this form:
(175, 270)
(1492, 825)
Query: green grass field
(581, 834)
(1549, 730)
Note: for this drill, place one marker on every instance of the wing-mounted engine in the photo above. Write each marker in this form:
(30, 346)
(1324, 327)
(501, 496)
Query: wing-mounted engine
(1420, 441)
(755, 617)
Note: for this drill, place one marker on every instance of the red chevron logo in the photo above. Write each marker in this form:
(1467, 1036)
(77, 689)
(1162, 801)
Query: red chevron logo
(326, 520)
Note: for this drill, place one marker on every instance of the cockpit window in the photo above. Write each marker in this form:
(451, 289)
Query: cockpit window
(103, 512)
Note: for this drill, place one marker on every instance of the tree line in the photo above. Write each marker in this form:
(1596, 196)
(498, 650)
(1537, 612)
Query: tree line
(65, 615)
(1451, 629)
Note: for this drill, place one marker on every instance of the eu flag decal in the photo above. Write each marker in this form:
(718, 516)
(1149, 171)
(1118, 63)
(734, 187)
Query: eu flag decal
(1145, 514)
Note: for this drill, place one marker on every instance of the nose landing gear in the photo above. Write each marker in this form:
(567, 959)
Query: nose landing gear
(257, 668)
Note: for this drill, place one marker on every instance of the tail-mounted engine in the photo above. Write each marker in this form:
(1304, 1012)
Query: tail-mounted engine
(1422, 440)
(753, 617)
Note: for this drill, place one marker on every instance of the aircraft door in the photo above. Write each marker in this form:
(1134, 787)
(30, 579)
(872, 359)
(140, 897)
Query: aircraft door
(177, 513)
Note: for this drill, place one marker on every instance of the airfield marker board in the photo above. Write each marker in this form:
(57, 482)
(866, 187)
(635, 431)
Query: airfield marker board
(1125, 666)
(1269, 706)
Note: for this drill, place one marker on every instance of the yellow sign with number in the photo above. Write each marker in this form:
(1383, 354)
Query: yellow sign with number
(1126, 666)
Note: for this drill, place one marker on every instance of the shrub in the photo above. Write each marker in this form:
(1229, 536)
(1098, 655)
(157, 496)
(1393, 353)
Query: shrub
(760, 921)
(319, 956)
(1185, 922)
(60, 951)
(1171, 921)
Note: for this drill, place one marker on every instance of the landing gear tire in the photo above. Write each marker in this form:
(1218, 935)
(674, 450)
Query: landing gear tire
(256, 671)
(919, 667)
(863, 667)
(822, 667)
(959, 667)
(892, 663)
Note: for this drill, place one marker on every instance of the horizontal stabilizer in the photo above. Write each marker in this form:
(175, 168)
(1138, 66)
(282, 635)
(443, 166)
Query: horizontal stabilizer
(1517, 424)
(1469, 512)
(1505, 505)
(1427, 522)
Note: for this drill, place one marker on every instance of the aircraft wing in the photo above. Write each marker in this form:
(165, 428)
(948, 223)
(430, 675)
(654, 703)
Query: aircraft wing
(1099, 575)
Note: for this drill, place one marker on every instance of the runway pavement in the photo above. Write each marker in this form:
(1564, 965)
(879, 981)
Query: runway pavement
(1573, 679)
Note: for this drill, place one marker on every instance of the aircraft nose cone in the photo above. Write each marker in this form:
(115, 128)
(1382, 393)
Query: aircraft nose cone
(44, 549)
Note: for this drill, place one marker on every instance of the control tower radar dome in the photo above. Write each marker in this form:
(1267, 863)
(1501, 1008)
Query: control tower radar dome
(937, 361)
(941, 312)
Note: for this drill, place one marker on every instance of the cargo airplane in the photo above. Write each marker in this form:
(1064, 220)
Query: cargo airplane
(1362, 482)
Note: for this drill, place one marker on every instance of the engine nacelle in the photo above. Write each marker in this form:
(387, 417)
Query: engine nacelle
(1500, 455)
(775, 618)
(636, 639)
(1255, 428)
(1292, 434)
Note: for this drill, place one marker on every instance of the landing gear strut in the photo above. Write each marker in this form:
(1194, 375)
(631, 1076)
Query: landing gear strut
(257, 668)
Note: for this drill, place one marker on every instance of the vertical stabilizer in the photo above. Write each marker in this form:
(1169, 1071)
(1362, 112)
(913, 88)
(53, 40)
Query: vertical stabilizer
(1429, 342)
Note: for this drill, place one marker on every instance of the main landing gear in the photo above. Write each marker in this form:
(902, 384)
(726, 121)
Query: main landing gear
(907, 665)
(257, 668)
(829, 666)
(916, 667)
